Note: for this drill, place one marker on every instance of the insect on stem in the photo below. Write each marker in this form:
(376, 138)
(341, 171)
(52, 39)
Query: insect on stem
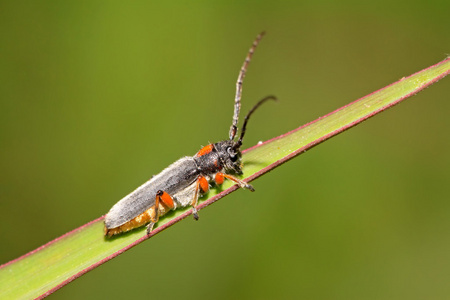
(181, 183)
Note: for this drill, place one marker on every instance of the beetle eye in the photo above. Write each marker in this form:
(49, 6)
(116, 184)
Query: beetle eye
(231, 152)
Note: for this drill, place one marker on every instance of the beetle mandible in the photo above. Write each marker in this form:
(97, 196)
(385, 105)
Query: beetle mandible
(180, 184)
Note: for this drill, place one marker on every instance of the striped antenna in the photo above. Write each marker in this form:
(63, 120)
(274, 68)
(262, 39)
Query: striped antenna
(237, 98)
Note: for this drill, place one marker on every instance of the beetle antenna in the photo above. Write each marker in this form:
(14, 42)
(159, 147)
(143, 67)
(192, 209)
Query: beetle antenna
(237, 98)
(247, 117)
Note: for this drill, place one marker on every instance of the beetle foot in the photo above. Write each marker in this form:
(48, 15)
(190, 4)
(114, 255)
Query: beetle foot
(195, 213)
(150, 227)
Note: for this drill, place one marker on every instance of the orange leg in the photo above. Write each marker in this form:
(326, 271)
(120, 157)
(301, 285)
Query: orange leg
(203, 185)
(163, 198)
(219, 178)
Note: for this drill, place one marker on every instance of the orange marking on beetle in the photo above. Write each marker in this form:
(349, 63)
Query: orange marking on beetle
(203, 183)
(205, 150)
(219, 179)
(166, 200)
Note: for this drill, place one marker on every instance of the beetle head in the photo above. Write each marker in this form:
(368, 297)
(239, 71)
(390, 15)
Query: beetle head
(229, 156)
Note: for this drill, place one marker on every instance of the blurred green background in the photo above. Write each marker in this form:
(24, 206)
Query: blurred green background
(97, 96)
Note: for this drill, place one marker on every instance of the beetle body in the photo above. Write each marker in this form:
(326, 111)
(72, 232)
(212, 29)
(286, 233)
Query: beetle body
(180, 184)
(137, 208)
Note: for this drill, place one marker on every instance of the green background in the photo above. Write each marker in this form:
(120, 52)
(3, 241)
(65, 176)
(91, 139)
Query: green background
(98, 96)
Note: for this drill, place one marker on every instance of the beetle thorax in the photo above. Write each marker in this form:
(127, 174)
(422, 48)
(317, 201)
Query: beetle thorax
(222, 156)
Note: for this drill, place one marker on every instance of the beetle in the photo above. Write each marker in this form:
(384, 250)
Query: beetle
(180, 184)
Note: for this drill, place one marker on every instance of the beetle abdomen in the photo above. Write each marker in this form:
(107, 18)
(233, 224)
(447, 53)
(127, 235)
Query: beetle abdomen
(172, 180)
(139, 221)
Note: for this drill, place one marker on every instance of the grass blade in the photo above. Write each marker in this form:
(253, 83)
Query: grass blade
(48, 268)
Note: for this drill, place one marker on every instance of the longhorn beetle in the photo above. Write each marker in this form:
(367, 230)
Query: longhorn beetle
(180, 184)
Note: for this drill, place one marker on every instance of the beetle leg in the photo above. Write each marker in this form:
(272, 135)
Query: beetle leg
(219, 179)
(203, 185)
(150, 227)
(163, 198)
